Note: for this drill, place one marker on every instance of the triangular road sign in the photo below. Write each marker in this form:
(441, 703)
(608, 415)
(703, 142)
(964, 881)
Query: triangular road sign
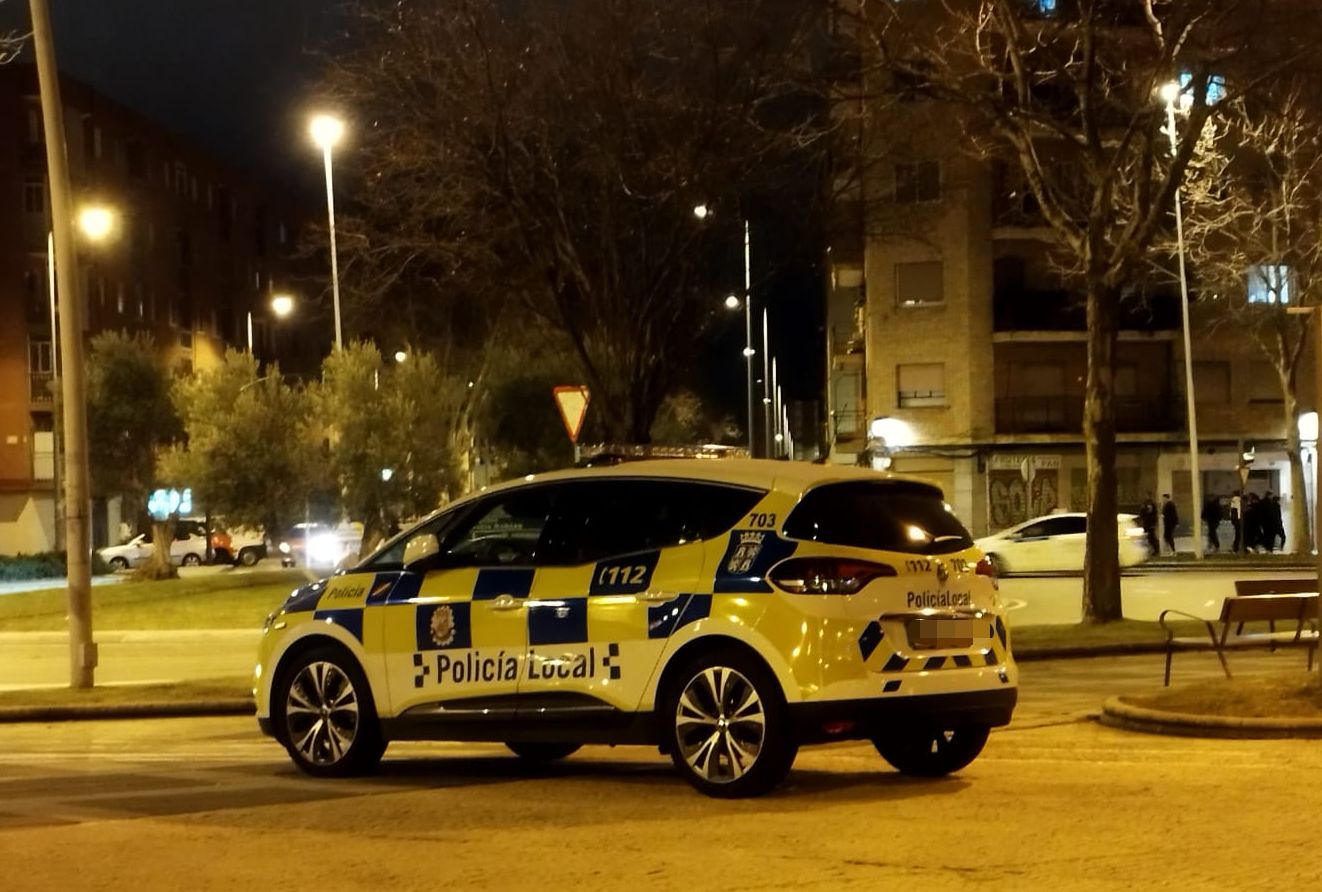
(572, 401)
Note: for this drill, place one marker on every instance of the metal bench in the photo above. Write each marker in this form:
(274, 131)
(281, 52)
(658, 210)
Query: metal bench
(1256, 601)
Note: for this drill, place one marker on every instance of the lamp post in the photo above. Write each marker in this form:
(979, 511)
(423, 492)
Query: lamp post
(732, 302)
(326, 131)
(1308, 440)
(1170, 93)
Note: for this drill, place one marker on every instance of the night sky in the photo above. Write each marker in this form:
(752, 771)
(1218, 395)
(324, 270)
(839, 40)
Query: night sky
(239, 78)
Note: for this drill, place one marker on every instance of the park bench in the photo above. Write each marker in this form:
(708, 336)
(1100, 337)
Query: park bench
(1255, 601)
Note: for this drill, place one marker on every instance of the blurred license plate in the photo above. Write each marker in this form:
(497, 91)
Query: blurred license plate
(944, 632)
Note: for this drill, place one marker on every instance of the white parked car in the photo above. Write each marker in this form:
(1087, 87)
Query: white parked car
(1056, 542)
(189, 548)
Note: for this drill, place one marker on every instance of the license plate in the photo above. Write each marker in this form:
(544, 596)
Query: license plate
(943, 633)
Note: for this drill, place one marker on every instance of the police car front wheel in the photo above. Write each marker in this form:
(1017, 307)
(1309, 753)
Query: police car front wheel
(931, 751)
(326, 719)
(729, 728)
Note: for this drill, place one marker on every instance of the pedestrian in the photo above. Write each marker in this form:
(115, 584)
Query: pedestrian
(1237, 520)
(1170, 519)
(1147, 519)
(1252, 522)
(1273, 527)
(1212, 517)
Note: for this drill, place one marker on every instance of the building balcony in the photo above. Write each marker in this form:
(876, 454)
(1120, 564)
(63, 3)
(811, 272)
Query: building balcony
(40, 387)
(1064, 311)
(1064, 414)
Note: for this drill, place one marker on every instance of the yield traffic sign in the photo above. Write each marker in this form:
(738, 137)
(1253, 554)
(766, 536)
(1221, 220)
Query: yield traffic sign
(572, 401)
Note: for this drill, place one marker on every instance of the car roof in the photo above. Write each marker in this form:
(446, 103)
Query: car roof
(761, 473)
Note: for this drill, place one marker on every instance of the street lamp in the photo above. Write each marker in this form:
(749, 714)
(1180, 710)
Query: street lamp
(1170, 94)
(732, 302)
(96, 222)
(282, 305)
(326, 131)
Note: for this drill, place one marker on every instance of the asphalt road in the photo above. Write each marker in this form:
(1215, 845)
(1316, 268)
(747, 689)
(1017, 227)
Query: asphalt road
(1055, 802)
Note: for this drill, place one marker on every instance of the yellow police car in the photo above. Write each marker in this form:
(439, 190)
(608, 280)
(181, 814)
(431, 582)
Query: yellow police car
(725, 611)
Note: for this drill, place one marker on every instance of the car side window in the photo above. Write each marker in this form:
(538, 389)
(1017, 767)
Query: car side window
(598, 519)
(505, 529)
(392, 557)
(1034, 530)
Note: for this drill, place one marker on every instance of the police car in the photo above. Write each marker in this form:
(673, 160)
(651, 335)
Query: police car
(726, 612)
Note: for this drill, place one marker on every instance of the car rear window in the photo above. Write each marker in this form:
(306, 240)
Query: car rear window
(883, 515)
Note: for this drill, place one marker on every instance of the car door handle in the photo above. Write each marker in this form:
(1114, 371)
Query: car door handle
(655, 596)
(506, 602)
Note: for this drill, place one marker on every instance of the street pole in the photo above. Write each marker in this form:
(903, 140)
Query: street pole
(250, 332)
(1317, 465)
(57, 499)
(766, 382)
(1195, 478)
(77, 507)
(335, 261)
(748, 332)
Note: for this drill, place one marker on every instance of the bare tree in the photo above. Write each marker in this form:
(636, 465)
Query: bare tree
(550, 155)
(1065, 91)
(1254, 236)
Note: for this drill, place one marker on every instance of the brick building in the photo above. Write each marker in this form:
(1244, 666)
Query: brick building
(946, 315)
(196, 248)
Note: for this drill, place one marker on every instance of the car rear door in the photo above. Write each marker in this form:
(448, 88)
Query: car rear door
(628, 564)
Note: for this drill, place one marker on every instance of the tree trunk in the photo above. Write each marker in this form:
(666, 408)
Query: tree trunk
(1299, 540)
(1101, 565)
(159, 565)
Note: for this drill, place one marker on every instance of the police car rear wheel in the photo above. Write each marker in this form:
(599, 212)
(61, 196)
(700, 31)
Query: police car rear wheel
(729, 728)
(932, 752)
(542, 752)
(327, 719)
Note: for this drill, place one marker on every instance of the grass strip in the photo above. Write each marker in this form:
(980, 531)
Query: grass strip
(1084, 636)
(202, 690)
(220, 601)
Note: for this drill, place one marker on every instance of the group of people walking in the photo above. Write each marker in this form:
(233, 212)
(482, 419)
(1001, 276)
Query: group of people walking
(1256, 520)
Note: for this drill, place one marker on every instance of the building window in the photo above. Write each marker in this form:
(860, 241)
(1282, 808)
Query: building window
(1045, 7)
(36, 128)
(1211, 381)
(920, 284)
(40, 358)
(917, 181)
(135, 159)
(1216, 88)
(34, 197)
(920, 384)
(1269, 283)
(1264, 383)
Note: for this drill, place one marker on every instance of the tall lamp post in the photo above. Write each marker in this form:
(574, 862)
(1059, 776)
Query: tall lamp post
(733, 302)
(326, 131)
(1170, 93)
(1308, 440)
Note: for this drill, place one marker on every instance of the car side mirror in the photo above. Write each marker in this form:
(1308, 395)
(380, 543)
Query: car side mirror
(419, 548)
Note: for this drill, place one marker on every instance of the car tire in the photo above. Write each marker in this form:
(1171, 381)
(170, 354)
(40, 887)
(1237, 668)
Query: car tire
(323, 713)
(542, 752)
(927, 751)
(726, 725)
(249, 557)
(118, 564)
(191, 560)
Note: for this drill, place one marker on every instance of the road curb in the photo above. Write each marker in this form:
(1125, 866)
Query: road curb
(1119, 649)
(1118, 714)
(233, 706)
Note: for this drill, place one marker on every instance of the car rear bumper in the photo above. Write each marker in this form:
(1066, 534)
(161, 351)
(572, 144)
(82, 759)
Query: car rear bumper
(821, 721)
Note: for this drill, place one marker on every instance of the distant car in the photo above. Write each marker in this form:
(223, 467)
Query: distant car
(1056, 542)
(188, 549)
(319, 544)
(239, 545)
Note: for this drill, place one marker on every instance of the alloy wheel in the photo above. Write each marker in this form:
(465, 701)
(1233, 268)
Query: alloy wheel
(720, 725)
(321, 713)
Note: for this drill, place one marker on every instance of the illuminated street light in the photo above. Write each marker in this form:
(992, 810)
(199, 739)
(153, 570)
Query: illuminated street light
(326, 131)
(732, 302)
(701, 211)
(400, 356)
(282, 305)
(96, 222)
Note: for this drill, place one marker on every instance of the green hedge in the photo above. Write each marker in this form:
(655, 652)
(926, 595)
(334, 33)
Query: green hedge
(47, 565)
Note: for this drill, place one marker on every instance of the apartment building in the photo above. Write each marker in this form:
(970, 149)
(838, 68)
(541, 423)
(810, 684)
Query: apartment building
(196, 249)
(957, 350)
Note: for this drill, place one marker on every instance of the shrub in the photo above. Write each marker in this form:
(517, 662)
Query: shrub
(46, 565)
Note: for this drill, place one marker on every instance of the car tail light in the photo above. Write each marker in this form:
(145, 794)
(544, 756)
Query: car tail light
(987, 567)
(827, 576)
